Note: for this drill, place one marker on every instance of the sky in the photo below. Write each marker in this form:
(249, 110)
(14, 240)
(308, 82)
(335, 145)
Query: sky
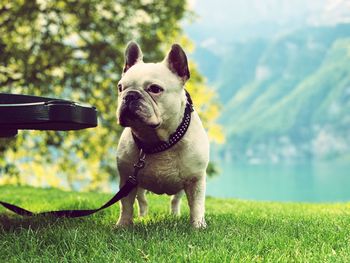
(229, 20)
(250, 11)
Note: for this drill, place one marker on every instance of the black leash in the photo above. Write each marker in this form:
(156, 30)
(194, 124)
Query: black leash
(130, 184)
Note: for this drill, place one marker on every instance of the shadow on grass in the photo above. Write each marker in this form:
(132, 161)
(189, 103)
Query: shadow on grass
(12, 223)
(153, 223)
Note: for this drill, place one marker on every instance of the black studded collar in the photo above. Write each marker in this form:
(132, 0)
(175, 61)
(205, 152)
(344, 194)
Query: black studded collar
(173, 138)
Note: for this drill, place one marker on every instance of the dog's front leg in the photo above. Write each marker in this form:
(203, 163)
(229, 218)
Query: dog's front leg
(195, 192)
(127, 207)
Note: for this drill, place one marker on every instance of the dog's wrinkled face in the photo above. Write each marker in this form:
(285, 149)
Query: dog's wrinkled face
(150, 93)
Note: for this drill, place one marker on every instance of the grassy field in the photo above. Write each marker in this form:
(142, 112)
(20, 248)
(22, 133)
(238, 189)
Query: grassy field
(238, 231)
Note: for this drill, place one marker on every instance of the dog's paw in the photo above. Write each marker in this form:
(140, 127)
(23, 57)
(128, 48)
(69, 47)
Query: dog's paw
(199, 224)
(124, 223)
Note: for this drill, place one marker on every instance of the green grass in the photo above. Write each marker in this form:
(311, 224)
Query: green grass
(237, 230)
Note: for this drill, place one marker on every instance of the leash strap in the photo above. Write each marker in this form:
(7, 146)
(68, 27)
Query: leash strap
(130, 184)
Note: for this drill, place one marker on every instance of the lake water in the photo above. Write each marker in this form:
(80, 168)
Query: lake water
(314, 182)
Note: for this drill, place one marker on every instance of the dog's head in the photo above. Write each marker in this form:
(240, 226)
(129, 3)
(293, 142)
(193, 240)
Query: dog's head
(151, 93)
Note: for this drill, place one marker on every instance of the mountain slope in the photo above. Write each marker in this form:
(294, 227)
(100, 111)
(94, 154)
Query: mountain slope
(297, 99)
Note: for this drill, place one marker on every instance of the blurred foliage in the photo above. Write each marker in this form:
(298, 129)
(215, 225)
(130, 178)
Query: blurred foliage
(74, 50)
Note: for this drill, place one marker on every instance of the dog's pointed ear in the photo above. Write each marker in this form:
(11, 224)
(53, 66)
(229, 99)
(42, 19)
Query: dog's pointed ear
(133, 55)
(176, 61)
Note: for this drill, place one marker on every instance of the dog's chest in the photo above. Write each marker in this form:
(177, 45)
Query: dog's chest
(163, 174)
(169, 171)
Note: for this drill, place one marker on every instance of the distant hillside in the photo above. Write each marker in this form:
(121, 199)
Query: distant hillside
(287, 99)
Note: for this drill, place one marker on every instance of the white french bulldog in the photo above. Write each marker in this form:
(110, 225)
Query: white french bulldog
(151, 105)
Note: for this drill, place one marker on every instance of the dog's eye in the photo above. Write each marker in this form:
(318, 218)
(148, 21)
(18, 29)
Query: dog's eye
(155, 89)
(120, 87)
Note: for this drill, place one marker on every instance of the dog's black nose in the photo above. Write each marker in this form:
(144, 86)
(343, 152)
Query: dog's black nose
(131, 96)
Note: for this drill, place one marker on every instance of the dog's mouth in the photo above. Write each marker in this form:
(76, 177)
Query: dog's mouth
(154, 126)
(136, 113)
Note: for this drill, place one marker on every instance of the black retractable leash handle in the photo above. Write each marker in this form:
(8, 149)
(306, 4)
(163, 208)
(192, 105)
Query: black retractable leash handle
(130, 184)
